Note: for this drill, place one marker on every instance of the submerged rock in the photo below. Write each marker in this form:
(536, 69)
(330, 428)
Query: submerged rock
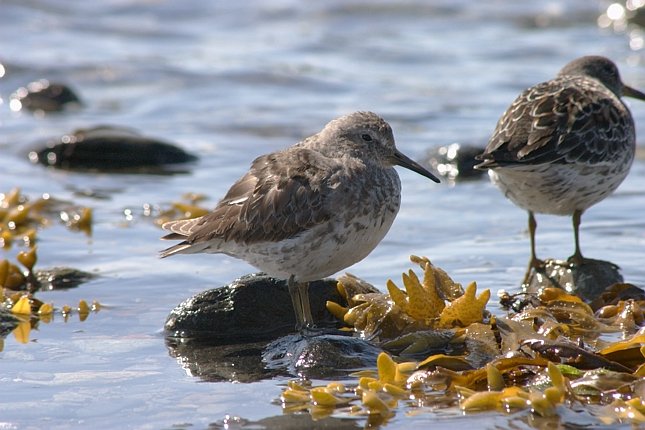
(44, 96)
(110, 149)
(319, 356)
(289, 421)
(588, 280)
(455, 161)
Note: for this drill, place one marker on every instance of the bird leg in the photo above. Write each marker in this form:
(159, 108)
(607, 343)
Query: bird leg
(296, 301)
(577, 257)
(306, 307)
(299, 292)
(534, 262)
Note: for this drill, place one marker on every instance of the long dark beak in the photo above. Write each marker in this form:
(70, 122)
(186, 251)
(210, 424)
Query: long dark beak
(402, 160)
(631, 92)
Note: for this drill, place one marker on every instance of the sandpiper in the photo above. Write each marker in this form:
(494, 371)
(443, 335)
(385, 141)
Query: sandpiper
(564, 145)
(308, 211)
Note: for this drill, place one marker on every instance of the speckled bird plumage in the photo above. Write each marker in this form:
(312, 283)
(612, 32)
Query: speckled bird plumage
(310, 210)
(565, 144)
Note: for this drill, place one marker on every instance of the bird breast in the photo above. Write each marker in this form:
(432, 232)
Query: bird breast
(363, 212)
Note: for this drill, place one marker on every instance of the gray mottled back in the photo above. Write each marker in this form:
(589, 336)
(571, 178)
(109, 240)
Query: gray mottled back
(577, 117)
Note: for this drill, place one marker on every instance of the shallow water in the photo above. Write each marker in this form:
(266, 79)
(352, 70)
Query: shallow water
(230, 81)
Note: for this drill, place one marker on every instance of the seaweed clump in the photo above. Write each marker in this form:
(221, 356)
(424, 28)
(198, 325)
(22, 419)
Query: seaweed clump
(444, 350)
(20, 309)
(20, 219)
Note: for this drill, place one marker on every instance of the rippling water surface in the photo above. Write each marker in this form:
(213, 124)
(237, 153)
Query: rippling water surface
(230, 81)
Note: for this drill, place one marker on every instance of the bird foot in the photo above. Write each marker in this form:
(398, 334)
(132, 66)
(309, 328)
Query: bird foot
(535, 266)
(576, 260)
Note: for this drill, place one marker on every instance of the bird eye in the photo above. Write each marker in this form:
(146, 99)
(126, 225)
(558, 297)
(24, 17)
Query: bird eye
(610, 70)
(366, 137)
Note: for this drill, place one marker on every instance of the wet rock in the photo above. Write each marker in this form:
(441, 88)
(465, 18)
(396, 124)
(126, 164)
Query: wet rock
(44, 96)
(455, 161)
(588, 280)
(226, 333)
(58, 278)
(253, 307)
(110, 149)
(319, 356)
(55, 278)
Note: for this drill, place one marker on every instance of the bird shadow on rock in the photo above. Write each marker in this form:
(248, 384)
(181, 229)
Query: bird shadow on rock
(245, 332)
(587, 280)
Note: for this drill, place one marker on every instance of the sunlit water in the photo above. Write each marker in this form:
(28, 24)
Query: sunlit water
(230, 81)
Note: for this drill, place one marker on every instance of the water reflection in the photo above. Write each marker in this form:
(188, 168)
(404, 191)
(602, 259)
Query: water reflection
(21, 323)
(215, 363)
(291, 422)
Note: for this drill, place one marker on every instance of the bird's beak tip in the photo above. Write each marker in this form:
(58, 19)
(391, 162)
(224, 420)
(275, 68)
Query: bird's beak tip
(633, 93)
(404, 161)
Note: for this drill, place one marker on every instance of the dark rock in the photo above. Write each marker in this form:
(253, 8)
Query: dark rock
(455, 161)
(588, 280)
(44, 96)
(253, 307)
(109, 149)
(222, 334)
(58, 278)
(319, 356)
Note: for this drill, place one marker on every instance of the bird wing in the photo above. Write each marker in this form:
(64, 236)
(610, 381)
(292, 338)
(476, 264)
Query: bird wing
(565, 120)
(283, 194)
